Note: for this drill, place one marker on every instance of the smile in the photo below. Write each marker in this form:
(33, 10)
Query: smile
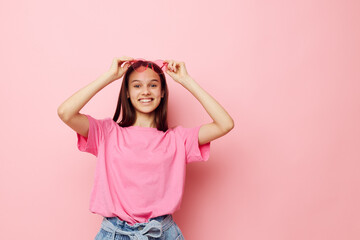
(146, 100)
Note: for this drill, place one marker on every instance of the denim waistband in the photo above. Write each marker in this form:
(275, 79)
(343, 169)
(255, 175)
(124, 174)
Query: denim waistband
(139, 231)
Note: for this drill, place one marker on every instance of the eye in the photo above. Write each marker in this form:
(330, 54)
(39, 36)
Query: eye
(136, 86)
(154, 85)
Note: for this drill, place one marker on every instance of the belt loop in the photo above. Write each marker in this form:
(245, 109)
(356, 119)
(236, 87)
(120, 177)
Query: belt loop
(114, 233)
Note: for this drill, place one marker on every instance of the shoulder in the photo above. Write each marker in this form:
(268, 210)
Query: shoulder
(103, 123)
(177, 129)
(180, 128)
(110, 123)
(184, 132)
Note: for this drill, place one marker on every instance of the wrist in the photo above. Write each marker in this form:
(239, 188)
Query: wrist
(108, 77)
(187, 81)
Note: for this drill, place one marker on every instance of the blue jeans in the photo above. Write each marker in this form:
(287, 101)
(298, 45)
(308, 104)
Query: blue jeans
(158, 228)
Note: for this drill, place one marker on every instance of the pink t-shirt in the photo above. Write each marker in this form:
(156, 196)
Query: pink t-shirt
(140, 171)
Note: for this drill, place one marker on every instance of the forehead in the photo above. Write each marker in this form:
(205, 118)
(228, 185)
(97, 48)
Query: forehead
(144, 76)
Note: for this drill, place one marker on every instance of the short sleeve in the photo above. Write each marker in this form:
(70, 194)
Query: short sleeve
(96, 135)
(194, 151)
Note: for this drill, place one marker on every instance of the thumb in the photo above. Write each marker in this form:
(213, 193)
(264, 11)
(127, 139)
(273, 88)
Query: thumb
(169, 72)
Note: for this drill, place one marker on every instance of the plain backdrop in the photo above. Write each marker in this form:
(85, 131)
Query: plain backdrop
(286, 71)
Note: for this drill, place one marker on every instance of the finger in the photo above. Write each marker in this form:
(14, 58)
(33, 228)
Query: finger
(169, 64)
(168, 71)
(124, 59)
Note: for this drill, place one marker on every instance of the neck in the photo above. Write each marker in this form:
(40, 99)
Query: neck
(145, 120)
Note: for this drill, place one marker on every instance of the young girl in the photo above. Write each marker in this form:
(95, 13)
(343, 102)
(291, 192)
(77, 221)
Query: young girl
(141, 163)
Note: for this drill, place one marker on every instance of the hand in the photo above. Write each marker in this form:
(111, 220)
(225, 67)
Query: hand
(116, 71)
(177, 70)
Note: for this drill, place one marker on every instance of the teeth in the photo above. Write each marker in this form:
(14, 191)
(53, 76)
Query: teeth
(145, 100)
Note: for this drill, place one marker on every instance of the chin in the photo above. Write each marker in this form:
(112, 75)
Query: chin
(146, 110)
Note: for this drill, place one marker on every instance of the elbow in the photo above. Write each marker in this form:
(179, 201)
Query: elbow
(227, 127)
(62, 114)
(230, 125)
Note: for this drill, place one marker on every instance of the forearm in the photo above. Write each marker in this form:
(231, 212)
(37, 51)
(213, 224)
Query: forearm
(212, 107)
(77, 101)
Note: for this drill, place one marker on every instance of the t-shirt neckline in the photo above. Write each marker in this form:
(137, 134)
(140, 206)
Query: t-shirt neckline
(143, 128)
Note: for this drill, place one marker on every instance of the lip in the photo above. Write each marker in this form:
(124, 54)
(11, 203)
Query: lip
(146, 103)
(146, 98)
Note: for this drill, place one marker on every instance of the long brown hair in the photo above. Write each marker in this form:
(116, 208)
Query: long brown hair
(128, 112)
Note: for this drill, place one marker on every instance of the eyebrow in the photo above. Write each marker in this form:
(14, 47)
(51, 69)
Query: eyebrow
(150, 80)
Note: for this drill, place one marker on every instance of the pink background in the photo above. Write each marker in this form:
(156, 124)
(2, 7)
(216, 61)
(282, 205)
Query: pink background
(286, 71)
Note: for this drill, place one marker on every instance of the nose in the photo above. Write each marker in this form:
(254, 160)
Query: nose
(146, 91)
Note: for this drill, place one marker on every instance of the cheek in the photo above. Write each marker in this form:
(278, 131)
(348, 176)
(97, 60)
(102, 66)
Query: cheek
(132, 95)
(133, 92)
(157, 92)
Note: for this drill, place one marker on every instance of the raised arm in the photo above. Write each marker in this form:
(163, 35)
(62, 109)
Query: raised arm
(222, 122)
(68, 111)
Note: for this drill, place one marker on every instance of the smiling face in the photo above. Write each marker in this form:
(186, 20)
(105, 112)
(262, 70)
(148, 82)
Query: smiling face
(145, 91)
